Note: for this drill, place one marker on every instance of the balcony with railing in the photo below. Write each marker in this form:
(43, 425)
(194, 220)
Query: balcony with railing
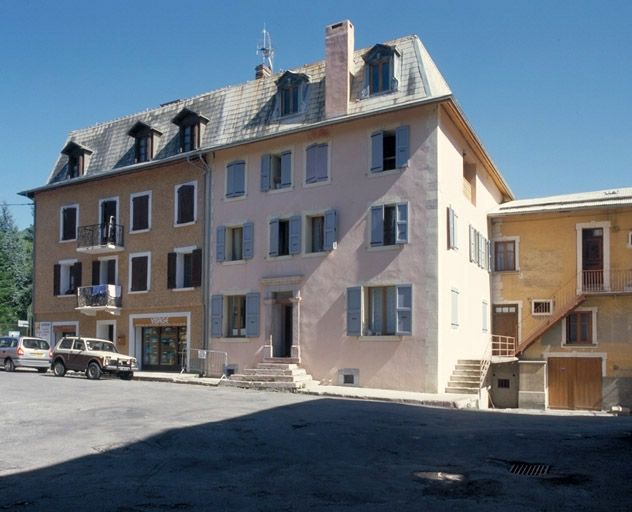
(100, 238)
(102, 297)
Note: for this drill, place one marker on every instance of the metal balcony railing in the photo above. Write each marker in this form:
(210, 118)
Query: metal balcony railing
(107, 235)
(102, 296)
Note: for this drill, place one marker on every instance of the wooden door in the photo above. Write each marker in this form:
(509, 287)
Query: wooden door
(592, 258)
(505, 320)
(575, 383)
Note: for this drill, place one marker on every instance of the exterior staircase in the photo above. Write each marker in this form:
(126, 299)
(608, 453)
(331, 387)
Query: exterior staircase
(278, 374)
(465, 378)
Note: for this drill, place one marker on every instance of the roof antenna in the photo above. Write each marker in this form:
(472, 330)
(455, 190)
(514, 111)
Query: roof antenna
(265, 49)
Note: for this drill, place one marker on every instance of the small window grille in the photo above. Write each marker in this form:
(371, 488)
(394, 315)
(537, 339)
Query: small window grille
(542, 307)
(348, 376)
(503, 383)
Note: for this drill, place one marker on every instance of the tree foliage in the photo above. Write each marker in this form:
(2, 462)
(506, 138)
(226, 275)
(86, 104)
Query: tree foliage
(16, 271)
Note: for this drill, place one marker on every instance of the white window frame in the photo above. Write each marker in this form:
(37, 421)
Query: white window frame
(228, 249)
(307, 233)
(180, 252)
(278, 153)
(61, 223)
(516, 240)
(594, 342)
(285, 217)
(323, 182)
(103, 272)
(605, 226)
(64, 272)
(175, 204)
(391, 247)
(118, 207)
(131, 212)
(534, 302)
(148, 284)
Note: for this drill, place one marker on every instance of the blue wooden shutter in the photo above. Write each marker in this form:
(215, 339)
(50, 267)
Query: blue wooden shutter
(286, 169)
(230, 180)
(311, 164)
(217, 310)
(330, 230)
(252, 315)
(377, 225)
(322, 162)
(401, 142)
(274, 237)
(220, 246)
(295, 234)
(404, 309)
(377, 151)
(239, 178)
(402, 223)
(265, 172)
(248, 232)
(354, 311)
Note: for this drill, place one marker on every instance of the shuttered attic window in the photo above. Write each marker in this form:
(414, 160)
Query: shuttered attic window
(78, 159)
(191, 129)
(382, 66)
(144, 141)
(292, 96)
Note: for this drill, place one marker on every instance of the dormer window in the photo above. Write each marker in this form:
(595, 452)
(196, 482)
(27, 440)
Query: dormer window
(292, 94)
(144, 136)
(191, 126)
(77, 159)
(381, 70)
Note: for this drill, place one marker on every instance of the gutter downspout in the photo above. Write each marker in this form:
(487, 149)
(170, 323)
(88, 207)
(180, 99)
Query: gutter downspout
(206, 242)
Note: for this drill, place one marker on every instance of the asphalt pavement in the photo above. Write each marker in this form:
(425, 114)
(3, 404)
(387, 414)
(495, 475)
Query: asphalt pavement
(73, 444)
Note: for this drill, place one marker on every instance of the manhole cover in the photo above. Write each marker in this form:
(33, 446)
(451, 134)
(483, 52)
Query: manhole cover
(528, 469)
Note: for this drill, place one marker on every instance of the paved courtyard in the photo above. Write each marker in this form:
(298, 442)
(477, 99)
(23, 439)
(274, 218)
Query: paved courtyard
(73, 444)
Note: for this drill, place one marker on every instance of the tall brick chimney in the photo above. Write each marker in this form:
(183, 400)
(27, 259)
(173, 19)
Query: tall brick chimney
(339, 41)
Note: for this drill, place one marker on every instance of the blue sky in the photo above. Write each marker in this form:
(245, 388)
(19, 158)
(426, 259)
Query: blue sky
(544, 83)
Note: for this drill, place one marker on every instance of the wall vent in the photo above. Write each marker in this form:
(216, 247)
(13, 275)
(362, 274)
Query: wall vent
(348, 377)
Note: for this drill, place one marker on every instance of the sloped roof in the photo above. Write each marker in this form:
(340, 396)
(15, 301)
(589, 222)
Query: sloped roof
(586, 200)
(245, 113)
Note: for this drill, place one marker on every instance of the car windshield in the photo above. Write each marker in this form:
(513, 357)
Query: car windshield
(103, 346)
(35, 344)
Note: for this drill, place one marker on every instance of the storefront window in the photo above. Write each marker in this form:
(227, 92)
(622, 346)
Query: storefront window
(164, 348)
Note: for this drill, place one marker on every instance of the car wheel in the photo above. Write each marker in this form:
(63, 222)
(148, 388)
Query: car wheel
(59, 369)
(8, 365)
(126, 376)
(42, 370)
(94, 371)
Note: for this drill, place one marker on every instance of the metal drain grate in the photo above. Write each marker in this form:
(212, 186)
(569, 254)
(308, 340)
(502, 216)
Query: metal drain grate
(528, 469)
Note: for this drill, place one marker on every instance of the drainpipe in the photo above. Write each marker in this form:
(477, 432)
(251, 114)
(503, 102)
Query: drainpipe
(206, 241)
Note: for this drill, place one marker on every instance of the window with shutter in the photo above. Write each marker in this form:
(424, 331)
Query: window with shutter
(236, 179)
(285, 236)
(389, 149)
(186, 203)
(140, 205)
(66, 277)
(139, 280)
(389, 224)
(454, 316)
(316, 163)
(217, 310)
(69, 223)
(452, 229)
(252, 315)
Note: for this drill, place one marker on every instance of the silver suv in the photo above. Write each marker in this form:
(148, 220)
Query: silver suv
(92, 356)
(24, 352)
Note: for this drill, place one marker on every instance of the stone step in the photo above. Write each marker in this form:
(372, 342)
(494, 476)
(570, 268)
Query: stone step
(477, 362)
(461, 390)
(278, 366)
(276, 386)
(270, 378)
(274, 371)
(282, 360)
(465, 378)
(467, 372)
